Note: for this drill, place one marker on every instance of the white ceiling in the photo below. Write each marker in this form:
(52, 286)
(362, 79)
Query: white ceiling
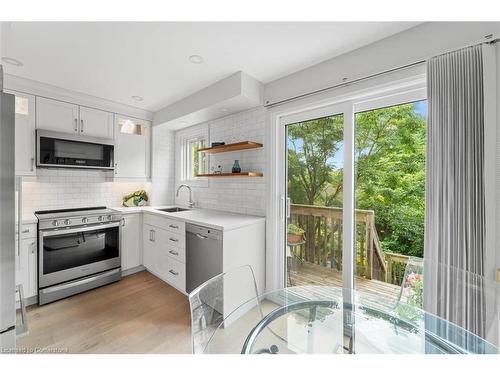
(116, 60)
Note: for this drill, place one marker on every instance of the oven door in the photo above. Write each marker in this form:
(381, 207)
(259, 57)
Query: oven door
(67, 254)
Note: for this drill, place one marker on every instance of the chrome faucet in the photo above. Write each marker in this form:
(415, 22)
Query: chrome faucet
(190, 201)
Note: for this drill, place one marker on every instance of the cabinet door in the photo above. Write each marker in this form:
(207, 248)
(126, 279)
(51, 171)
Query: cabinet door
(96, 123)
(26, 267)
(132, 148)
(149, 248)
(25, 133)
(56, 115)
(131, 245)
(32, 268)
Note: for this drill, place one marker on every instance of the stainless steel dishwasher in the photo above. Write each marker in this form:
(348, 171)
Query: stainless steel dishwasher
(203, 255)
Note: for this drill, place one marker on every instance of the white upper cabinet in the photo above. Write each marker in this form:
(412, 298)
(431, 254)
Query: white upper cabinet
(25, 134)
(96, 123)
(71, 118)
(132, 147)
(56, 115)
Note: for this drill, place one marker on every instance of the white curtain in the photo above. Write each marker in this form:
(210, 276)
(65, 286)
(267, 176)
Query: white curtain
(455, 192)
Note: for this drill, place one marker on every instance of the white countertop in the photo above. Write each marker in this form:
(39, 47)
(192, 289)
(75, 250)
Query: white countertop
(29, 219)
(220, 220)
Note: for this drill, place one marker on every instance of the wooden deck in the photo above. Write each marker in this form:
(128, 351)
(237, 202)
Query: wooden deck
(304, 273)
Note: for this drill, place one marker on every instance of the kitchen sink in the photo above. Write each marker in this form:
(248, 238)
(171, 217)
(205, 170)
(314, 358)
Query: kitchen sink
(172, 209)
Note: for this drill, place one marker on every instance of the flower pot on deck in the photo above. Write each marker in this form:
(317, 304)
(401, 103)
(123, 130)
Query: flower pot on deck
(294, 238)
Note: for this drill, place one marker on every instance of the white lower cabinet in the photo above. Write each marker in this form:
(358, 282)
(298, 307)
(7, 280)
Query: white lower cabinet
(164, 250)
(131, 245)
(26, 266)
(149, 255)
(173, 271)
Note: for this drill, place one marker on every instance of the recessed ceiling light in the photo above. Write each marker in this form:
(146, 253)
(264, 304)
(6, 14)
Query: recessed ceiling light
(137, 98)
(12, 61)
(196, 59)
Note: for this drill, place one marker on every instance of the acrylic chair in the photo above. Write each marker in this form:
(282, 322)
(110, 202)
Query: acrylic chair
(412, 283)
(215, 299)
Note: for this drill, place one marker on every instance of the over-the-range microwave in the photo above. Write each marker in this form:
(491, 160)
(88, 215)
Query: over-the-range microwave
(62, 150)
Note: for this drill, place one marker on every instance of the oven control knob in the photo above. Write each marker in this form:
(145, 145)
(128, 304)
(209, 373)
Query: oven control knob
(56, 223)
(110, 217)
(67, 222)
(100, 218)
(85, 220)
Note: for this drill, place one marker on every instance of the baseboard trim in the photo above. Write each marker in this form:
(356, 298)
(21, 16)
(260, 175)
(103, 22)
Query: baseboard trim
(133, 270)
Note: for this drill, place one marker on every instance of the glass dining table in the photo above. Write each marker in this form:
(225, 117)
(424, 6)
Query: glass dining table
(323, 319)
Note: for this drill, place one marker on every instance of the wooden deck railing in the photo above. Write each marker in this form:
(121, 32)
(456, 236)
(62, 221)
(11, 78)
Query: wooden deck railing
(323, 239)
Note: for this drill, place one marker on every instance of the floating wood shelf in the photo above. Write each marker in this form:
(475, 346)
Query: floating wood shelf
(241, 174)
(246, 145)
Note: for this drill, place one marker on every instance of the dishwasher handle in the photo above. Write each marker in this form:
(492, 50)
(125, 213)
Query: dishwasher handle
(201, 236)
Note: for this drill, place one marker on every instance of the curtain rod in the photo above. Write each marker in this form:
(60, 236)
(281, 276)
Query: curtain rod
(488, 39)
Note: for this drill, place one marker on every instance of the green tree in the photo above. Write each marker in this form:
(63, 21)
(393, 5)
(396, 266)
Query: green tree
(390, 170)
(312, 146)
(390, 175)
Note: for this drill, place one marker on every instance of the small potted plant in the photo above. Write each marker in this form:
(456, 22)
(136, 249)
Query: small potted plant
(137, 198)
(294, 234)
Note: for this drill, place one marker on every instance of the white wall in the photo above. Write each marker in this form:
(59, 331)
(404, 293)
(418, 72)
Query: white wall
(416, 44)
(241, 195)
(65, 188)
(163, 168)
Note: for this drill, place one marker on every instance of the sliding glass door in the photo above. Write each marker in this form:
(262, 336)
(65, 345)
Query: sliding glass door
(390, 147)
(354, 186)
(315, 161)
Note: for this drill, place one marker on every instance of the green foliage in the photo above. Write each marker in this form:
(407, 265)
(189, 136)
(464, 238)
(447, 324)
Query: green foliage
(294, 229)
(390, 176)
(390, 170)
(312, 146)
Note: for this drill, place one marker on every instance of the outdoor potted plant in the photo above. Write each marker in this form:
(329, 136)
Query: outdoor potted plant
(294, 234)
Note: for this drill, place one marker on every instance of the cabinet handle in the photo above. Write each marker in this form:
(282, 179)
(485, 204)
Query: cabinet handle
(32, 164)
(76, 125)
(81, 126)
(173, 252)
(26, 230)
(174, 273)
(173, 226)
(174, 239)
(123, 221)
(153, 235)
(32, 248)
(116, 168)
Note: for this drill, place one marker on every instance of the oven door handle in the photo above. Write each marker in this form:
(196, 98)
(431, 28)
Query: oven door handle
(58, 232)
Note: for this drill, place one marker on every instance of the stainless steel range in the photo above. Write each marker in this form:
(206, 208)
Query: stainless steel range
(78, 250)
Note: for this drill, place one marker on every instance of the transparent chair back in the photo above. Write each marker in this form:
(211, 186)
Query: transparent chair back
(213, 301)
(413, 283)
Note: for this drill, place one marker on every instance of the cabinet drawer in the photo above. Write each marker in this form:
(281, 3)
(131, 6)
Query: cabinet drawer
(28, 231)
(171, 271)
(176, 253)
(176, 273)
(174, 226)
(175, 240)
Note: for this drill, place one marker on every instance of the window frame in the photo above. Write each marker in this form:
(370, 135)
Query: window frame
(184, 164)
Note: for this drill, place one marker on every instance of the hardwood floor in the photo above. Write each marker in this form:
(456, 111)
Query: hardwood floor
(139, 314)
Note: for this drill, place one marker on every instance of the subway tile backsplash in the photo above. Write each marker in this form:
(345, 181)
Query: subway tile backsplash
(65, 188)
(241, 195)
